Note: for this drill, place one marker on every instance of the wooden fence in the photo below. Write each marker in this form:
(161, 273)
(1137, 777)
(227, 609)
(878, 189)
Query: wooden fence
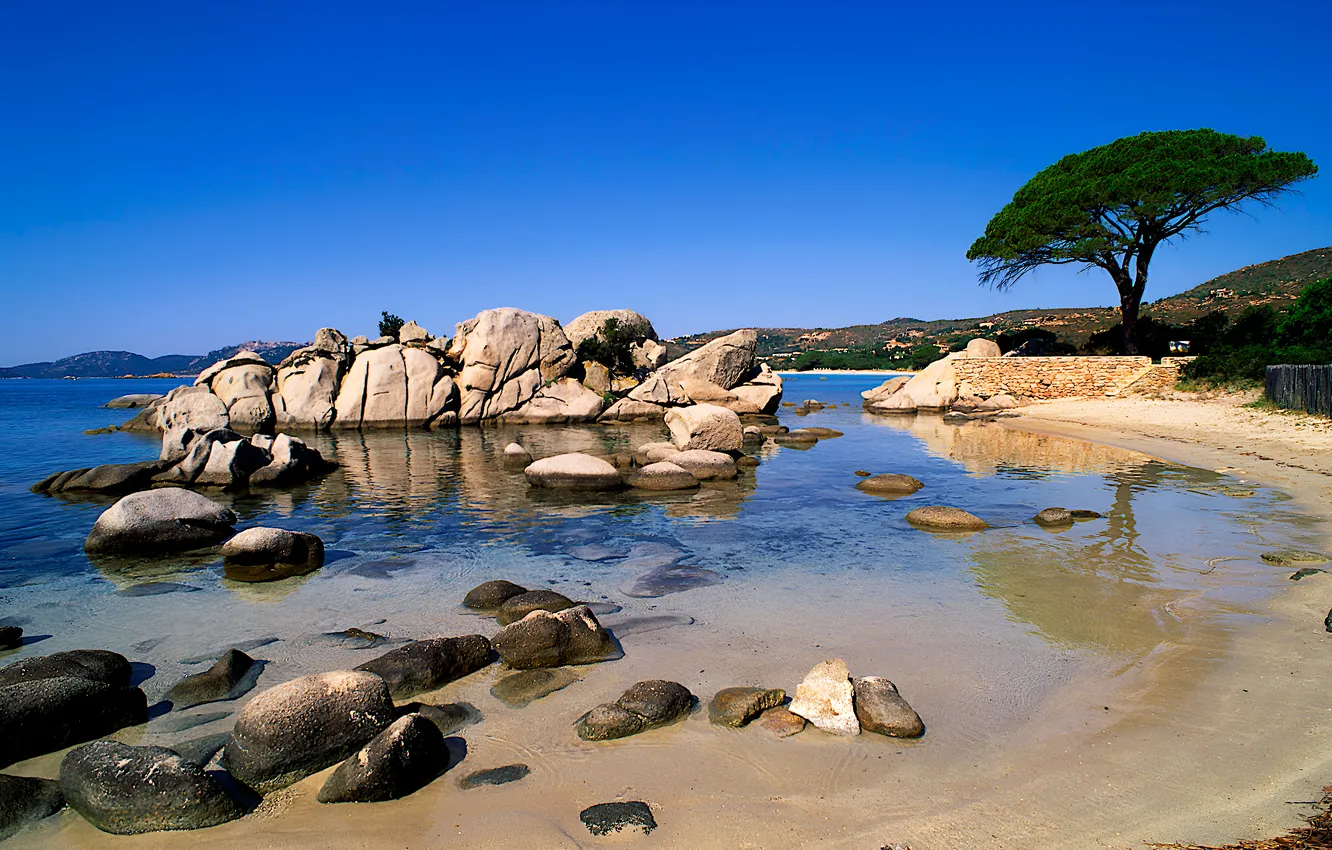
(1306, 388)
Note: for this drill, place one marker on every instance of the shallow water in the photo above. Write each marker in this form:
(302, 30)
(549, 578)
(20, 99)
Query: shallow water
(747, 582)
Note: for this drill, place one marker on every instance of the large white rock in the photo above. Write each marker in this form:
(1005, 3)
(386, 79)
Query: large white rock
(393, 386)
(306, 388)
(649, 354)
(412, 332)
(507, 355)
(629, 410)
(167, 519)
(884, 390)
(726, 362)
(186, 413)
(701, 391)
(590, 324)
(705, 426)
(566, 400)
(827, 698)
(573, 471)
(983, 348)
(241, 358)
(247, 380)
(705, 465)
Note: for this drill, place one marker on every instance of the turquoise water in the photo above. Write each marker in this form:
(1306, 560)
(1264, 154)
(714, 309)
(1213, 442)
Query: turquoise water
(412, 519)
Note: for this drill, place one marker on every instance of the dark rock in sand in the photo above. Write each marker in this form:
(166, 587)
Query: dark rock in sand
(269, 554)
(674, 578)
(48, 714)
(520, 689)
(1053, 518)
(303, 726)
(11, 637)
(495, 776)
(97, 665)
(402, 759)
(605, 818)
(1079, 513)
(1304, 572)
(542, 639)
(880, 708)
(165, 520)
(425, 665)
(1327, 621)
(737, 706)
(645, 705)
(449, 717)
(517, 607)
(491, 594)
(127, 790)
(219, 682)
(890, 484)
(24, 800)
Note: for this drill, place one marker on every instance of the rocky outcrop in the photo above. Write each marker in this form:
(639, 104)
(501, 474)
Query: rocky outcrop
(308, 381)
(763, 390)
(630, 410)
(128, 790)
(187, 413)
(305, 725)
(153, 521)
(507, 355)
(107, 478)
(727, 362)
(565, 400)
(395, 386)
(244, 384)
(705, 426)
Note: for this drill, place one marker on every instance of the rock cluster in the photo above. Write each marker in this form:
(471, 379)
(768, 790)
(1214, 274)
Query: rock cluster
(644, 706)
(543, 639)
(937, 387)
(834, 702)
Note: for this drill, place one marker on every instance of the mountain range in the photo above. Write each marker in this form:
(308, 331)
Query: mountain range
(119, 364)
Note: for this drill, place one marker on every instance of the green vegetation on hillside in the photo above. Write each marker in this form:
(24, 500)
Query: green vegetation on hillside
(1112, 206)
(1262, 337)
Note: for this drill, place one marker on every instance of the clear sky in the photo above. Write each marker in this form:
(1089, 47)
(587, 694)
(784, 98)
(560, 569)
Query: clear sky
(179, 176)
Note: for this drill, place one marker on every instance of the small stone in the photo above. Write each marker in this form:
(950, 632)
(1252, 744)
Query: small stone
(944, 518)
(737, 706)
(1304, 572)
(609, 721)
(517, 457)
(645, 705)
(573, 471)
(890, 484)
(271, 554)
(823, 433)
(517, 607)
(1081, 513)
(11, 637)
(825, 698)
(605, 818)
(663, 475)
(491, 594)
(402, 759)
(219, 682)
(781, 722)
(864, 473)
(527, 686)
(880, 708)
(1053, 517)
(494, 776)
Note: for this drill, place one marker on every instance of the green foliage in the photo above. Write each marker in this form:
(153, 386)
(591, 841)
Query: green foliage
(389, 324)
(1261, 337)
(612, 347)
(1112, 206)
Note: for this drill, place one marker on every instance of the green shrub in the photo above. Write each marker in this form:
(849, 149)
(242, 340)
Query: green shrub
(389, 324)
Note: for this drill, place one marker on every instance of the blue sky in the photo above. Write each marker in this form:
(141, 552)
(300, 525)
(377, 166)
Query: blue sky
(179, 176)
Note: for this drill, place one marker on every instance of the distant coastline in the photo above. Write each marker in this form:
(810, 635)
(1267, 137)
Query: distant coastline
(884, 372)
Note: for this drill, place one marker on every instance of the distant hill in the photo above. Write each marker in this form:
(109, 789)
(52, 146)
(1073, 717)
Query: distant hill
(116, 364)
(1276, 282)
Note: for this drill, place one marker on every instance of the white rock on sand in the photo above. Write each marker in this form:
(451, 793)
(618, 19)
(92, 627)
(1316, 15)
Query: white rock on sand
(826, 698)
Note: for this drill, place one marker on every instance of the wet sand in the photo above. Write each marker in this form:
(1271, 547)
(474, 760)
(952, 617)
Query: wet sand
(1077, 707)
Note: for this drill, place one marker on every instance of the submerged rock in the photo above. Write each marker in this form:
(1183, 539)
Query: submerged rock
(826, 698)
(737, 706)
(24, 800)
(154, 521)
(1286, 557)
(542, 639)
(605, 818)
(1053, 517)
(645, 705)
(880, 708)
(219, 682)
(890, 484)
(521, 689)
(128, 790)
(945, 519)
(663, 475)
(303, 726)
(517, 457)
(490, 595)
(426, 665)
(494, 776)
(1078, 513)
(517, 607)
(705, 465)
(268, 554)
(402, 759)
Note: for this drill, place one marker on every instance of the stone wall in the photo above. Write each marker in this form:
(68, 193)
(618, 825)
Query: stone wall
(1050, 377)
(1160, 378)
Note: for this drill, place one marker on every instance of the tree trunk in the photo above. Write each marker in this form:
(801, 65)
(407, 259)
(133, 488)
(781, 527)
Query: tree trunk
(1128, 315)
